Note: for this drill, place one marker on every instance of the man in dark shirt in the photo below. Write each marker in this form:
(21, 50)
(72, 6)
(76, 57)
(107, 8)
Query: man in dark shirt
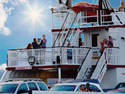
(110, 42)
(88, 88)
(80, 42)
(35, 44)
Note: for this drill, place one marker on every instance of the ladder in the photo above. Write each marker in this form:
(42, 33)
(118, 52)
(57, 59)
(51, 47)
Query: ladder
(62, 27)
(67, 32)
(68, 22)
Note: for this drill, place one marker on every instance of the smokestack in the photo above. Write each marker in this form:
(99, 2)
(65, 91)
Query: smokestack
(122, 3)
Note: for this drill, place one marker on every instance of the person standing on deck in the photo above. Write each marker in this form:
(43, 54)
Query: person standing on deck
(80, 42)
(110, 42)
(43, 41)
(102, 47)
(29, 46)
(35, 44)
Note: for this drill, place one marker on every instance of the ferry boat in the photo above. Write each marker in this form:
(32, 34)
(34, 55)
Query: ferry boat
(75, 53)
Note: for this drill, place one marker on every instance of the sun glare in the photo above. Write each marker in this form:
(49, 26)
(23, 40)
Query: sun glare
(34, 14)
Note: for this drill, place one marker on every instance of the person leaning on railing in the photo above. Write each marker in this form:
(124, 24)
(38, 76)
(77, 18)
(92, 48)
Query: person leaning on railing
(43, 42)
(110, 42)
(35, 44)
(29, 46)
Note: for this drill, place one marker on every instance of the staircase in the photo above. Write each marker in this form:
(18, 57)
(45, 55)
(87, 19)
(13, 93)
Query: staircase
(85, 67)
(101, 67)
(63, 27)
(67, 33)
(118, 18)
(70, 32)
(89, 71)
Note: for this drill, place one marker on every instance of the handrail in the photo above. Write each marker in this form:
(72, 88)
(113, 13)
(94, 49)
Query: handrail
(46, 56)
(118, 19)
(49, 47)
(61, 28)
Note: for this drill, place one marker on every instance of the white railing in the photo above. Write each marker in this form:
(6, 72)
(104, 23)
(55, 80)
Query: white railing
(106, 19)
(85, 20)
(47, 56)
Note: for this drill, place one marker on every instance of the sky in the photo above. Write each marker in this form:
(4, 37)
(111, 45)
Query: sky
(18, 25)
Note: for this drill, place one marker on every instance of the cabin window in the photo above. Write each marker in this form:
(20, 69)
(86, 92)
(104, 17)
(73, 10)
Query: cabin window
(95, 40)
(82, 14)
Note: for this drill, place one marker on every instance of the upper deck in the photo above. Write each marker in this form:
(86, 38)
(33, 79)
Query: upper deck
(48, 58)
(84, 22)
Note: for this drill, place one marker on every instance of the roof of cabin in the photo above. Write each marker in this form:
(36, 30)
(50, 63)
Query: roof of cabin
(82, 6)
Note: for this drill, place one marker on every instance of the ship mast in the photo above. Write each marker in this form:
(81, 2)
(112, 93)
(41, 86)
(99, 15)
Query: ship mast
(104, 5)
(99, 11)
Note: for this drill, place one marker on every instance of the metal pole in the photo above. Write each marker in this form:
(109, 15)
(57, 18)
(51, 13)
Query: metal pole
(59, 75)
(99, 11)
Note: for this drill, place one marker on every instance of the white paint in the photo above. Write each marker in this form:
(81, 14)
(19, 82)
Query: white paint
(110, 79)
(103, 34)
(120, 75)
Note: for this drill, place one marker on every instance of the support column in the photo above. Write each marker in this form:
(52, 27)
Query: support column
(59, 75)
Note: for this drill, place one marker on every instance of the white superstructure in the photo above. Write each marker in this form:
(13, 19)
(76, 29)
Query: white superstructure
(67, 58)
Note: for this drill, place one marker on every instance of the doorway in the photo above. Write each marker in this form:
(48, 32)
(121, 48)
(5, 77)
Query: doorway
(95, 40)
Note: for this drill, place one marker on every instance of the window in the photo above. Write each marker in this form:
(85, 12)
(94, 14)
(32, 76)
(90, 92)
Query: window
(42, 86)
(8, 88)
(95, 40)
(94, 88)
(120, 85)
(32, 86)
(63, 88)
(23, 87)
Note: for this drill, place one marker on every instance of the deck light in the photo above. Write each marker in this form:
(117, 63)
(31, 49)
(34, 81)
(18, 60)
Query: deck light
(31, 60)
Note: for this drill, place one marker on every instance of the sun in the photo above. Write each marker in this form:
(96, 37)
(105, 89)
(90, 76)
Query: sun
(34, 14)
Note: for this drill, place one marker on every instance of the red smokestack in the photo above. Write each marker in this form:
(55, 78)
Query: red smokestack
(122, 3)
